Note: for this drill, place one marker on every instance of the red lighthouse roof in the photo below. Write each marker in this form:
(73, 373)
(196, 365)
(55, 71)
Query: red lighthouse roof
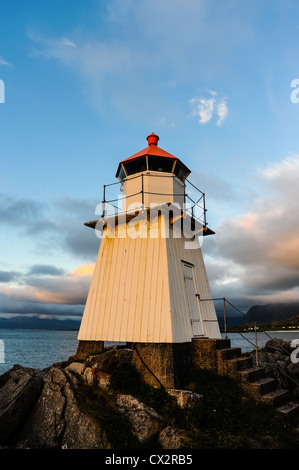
(152, 150)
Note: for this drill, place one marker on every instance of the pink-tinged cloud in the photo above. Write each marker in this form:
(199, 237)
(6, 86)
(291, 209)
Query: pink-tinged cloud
(70, 288)
(259, 250)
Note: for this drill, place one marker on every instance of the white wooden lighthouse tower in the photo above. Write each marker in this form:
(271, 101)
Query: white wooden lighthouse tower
(150, 276)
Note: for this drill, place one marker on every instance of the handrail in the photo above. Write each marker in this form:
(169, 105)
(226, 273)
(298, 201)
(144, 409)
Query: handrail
(225, 323)
(200, 204)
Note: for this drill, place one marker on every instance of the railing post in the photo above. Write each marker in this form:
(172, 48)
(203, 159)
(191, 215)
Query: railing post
(104, 200)
(256, 353)
(224, 315)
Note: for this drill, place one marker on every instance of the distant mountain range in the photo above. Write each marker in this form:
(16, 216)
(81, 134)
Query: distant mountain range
(23, 322)
(271, 313)
(259, 314)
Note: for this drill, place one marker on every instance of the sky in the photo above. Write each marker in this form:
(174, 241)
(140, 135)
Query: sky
(82, 84)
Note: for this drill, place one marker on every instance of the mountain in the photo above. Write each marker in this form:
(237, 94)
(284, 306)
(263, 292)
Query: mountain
(271, 312)
(23, 322)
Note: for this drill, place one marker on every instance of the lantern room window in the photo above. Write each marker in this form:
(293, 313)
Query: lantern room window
(122, 174)
(180, 171)
(135, 166)
(160, 164)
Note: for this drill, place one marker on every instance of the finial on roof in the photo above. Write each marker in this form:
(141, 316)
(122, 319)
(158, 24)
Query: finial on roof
(152, 139)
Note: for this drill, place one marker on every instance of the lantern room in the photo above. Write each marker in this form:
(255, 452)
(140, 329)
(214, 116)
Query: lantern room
(144, 174)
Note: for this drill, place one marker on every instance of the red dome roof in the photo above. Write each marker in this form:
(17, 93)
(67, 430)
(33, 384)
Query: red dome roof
(152, 149)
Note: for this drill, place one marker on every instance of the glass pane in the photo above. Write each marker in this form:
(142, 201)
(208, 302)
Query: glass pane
(160, 164)
(180, 171)
(121, 174)
(136, 166)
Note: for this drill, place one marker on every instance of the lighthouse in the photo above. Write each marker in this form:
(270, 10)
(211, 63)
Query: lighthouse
(150, 288)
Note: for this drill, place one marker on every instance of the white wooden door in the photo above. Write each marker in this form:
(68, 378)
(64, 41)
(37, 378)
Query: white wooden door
(192, 300)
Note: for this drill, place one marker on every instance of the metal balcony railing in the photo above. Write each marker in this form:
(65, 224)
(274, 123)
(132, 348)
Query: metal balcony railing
(194, 198)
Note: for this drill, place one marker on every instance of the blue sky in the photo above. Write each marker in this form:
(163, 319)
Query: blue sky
(87, 80)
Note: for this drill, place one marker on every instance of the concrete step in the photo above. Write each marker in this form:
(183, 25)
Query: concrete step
(239, 364)
(263, 386)
(289, 409)
(229, 353)
(276, 398)
(222, 343)
(252, 374)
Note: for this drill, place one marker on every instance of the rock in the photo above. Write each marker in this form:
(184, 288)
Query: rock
(278, 346)
(19, 389)
(109, 360)
(275, 359)
(56, 420)
(171, 437)
(76, 367)
(89, 376)
(145, 421)
(186, 398)
(103, 379)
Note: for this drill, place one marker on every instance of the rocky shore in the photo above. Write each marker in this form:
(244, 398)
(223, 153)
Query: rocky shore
(280, 361)
(89, 404)
(72, 405)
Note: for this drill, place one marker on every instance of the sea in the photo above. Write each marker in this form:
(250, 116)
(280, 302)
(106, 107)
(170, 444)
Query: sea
(39, 349)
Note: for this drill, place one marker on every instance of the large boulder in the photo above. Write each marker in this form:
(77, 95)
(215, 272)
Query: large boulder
(276, 359)
(279, 347)
(144, 420)
(111, 359)
(56, 420)
(19, 388)
(171, 437)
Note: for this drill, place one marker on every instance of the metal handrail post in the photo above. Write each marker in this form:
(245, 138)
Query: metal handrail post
(256, 348)
(104, 195)
(224, 315)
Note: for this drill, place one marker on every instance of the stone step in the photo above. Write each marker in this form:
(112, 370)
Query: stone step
(263, 386)
(289, 409)
(239, 364)
(229, 353)
(277, 398)
(222, 343)
(230, 361)
(252, 374)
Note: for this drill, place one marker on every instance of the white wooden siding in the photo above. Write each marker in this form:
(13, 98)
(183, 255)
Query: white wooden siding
(177, 253)
(154, 183)
(137, 292)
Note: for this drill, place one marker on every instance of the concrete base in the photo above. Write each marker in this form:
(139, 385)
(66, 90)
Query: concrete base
(168, 364)
(89, 348)
(206, 353)
(163, 364)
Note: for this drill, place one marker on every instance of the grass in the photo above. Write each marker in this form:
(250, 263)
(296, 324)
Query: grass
(98, 404)
(227, 419)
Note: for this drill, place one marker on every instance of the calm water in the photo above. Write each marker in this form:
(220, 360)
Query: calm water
(36, 348)
(41, 348)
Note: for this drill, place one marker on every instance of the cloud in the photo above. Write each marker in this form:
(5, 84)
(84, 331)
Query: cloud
(222, 111)
(3, 61)
(25, 215)
(56, 226)
(7, 276)
(68, 42)
(205, 108)
(144, 53)
(70, 288)
(261, 246)
(45, 269)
